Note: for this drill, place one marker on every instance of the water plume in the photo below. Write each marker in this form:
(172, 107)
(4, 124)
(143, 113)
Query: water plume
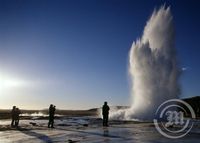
(153, 67)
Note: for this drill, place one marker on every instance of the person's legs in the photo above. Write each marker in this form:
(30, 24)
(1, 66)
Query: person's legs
(16, 122)
(103, 121)
(52, 124)
(48, 124)
(106, 120)
(12, 122)
(50, 120)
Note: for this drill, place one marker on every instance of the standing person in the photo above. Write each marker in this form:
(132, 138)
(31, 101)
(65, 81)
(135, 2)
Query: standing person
(13, 115)
(17, 113)
(52, 109)
(105, 113)
(53, 116)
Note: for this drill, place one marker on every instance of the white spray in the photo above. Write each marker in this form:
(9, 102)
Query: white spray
(153, 67)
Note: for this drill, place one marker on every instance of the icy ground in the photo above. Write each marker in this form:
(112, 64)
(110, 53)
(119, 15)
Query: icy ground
(87, 129)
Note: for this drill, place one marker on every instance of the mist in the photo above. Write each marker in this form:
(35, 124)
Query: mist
(153, 68)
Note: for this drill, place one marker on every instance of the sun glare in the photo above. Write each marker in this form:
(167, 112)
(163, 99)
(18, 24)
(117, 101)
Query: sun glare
(10, 82)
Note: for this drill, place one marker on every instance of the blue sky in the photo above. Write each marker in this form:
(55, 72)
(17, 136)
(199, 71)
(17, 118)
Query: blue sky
(74, 53)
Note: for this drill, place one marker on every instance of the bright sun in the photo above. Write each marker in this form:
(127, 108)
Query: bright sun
(8, 82)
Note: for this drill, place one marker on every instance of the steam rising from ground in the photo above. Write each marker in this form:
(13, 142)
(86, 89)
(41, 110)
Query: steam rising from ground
(36, 114)
(153, 67)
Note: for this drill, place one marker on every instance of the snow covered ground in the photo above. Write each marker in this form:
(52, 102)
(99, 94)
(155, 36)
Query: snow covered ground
(88, 129)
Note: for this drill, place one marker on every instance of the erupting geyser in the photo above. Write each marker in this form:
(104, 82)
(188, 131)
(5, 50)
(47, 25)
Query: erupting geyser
(153, 67)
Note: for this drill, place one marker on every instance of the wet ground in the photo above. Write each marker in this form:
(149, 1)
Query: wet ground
(87, 129)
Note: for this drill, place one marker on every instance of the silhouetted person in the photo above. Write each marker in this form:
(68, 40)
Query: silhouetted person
(52, 110)
(13, 115)
(105, 113)
(17, 112)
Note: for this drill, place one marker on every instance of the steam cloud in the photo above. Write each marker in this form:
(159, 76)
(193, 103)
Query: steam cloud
(153, 68)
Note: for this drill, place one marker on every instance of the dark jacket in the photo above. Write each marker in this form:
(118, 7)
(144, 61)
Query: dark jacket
(106, 109)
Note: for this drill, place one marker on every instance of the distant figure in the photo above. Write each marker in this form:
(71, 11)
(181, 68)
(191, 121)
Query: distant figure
(13, 115)
(52, 110)
(105, 113)
(17, 113)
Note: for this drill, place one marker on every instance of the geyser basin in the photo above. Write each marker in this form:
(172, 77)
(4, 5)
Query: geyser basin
(153, 68)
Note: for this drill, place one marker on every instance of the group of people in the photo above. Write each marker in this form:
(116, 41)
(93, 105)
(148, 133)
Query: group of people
(15, 116)
(52, 108)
